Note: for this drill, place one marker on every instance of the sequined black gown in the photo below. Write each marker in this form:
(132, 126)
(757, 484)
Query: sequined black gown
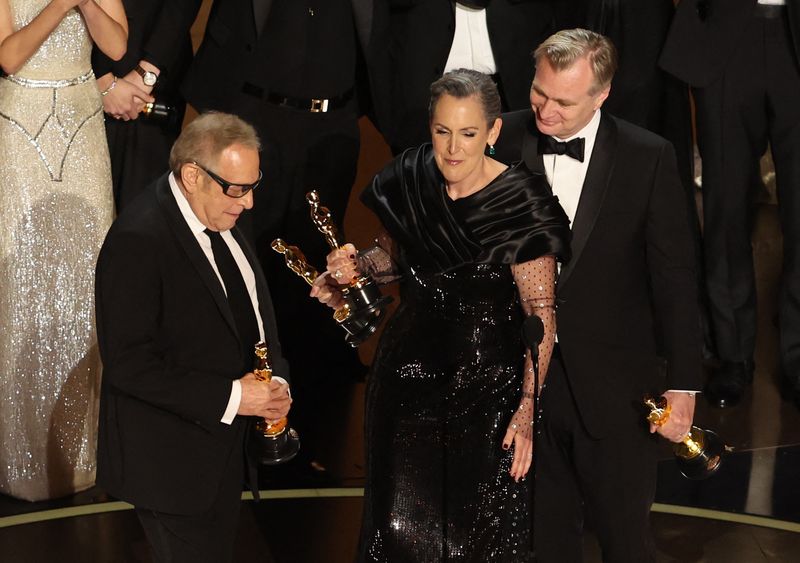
(448, 372)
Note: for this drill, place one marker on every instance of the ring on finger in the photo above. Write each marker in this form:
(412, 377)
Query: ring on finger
(337, 274)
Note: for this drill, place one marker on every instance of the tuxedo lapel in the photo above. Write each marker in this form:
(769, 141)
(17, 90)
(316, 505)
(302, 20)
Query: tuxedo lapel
(530, 147)
(189, 244)
(261, 10)
(363, 14)
(598, 176)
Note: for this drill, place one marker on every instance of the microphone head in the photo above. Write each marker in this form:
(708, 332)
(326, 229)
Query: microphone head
(532, 332)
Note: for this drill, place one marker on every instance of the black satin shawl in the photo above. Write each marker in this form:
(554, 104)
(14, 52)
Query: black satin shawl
(515, 218)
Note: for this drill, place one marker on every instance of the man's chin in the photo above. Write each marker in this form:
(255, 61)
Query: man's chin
(547, 129)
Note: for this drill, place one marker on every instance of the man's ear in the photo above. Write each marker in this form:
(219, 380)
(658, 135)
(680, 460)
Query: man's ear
(601, 96)
(189, 177)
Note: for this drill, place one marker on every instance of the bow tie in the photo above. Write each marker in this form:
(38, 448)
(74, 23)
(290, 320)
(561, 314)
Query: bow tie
(573, 148)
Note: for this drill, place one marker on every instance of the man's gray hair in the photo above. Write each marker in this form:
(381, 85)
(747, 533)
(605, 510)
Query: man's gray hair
(564, 48)
(464, 83)
(204, 139)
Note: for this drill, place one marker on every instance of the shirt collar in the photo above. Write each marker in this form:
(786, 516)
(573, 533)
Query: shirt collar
(183, 204)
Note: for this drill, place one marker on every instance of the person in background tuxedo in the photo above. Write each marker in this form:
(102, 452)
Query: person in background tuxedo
(741, 59)
(638, 30)
(627, 316)
(295, 69)
(431, 37)
(151, 71)
(181, 302)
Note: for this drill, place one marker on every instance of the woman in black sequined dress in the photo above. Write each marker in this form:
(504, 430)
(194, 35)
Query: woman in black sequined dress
(450, 399)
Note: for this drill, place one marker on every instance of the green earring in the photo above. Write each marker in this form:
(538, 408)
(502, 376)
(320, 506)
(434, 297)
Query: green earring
(491, 150)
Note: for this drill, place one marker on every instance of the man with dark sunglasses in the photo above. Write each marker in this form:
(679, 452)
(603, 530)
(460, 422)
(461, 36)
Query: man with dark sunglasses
(181, 302)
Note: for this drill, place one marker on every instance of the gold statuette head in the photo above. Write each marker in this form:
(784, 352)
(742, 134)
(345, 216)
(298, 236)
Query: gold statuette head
(295, 260)
(321, 217)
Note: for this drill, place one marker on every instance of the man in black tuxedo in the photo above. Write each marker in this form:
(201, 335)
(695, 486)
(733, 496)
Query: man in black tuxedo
(181, 302)
(627, 313)
(741, 59)
(431, 37)
(151, 70)
(295, 70)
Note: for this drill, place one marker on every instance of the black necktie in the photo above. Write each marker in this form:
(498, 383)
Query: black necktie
(238, 298)
(573, 148)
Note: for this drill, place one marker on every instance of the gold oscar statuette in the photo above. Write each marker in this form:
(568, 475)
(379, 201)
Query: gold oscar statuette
(272, 442)
(700, 453)
(296, 262)
(364, 305)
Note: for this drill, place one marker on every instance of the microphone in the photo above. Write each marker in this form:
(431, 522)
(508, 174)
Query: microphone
(532, 333)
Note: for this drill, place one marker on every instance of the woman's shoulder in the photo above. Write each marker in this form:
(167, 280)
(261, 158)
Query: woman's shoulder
(528, 179)
(405, 170)
(518, 183)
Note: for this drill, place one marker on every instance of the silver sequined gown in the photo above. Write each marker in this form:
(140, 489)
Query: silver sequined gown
(55, 208)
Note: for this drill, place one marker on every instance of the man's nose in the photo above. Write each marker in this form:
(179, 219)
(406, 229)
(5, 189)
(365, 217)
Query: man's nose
(546, 108)
(247, 200)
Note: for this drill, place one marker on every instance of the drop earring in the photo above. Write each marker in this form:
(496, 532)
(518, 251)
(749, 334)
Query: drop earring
(491, 150)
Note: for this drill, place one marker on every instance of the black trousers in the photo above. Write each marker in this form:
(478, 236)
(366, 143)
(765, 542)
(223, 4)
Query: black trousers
(302, 151)
(203, 538)
(611, 481)
(752, 104)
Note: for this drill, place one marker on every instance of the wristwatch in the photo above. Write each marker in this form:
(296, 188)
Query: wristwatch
(149, 78)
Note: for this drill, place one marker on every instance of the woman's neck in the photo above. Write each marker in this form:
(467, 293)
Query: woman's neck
(489, 170)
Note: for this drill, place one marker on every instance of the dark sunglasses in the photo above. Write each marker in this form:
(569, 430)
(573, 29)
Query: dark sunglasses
(228, 188)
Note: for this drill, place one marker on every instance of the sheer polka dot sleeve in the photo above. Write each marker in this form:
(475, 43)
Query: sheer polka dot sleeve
(536, 284)
(378, 261)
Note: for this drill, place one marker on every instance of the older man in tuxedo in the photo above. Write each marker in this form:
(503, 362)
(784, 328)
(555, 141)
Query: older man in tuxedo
(181, 302)
(627, 304)
(301, 71)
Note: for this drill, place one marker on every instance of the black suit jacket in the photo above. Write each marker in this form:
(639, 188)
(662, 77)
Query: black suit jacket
(170, 351)
(421, 34)
(231, 54)
(627, 300)
(704, 33)
(158, 31)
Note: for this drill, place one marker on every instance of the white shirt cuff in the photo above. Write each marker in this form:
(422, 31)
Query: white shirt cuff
(691, 392)
(282, 380)
(233, 403)
(236, 399)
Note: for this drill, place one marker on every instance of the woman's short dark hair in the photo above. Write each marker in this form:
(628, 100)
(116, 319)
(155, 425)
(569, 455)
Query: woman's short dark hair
(464, 83)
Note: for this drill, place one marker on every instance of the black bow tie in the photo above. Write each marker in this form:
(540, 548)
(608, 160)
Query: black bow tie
(573, 148)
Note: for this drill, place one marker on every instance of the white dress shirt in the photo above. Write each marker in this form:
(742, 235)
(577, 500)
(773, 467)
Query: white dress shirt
(565, 174)
(471, 47)
(198, 230)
